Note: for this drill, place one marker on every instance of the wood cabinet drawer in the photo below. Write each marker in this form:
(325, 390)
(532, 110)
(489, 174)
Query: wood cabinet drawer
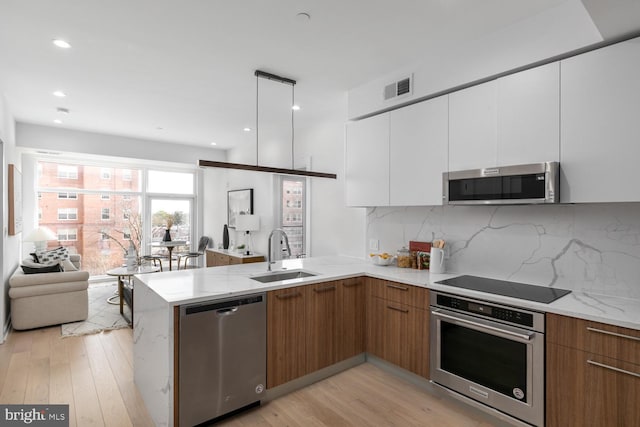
(399, 292)
(594, 337)
(590, 390)
(399, 334)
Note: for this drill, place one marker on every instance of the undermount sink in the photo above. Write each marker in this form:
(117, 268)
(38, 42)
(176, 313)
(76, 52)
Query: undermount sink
(278, 276)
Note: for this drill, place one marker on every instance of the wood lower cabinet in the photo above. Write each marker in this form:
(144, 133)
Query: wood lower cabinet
(586, 389)
(352, 318)
(286, 354)
(593, 374)
(216, 258)
(397, 332)
(321, 325)
(312, 327)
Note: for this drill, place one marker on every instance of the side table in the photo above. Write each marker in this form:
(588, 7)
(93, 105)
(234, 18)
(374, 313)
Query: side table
(126, 292)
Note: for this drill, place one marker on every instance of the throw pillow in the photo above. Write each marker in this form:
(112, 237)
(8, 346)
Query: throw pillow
(54, 256)
(56, 268)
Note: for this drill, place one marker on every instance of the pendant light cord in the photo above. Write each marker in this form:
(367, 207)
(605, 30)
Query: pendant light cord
(257, 109)
(293, 102)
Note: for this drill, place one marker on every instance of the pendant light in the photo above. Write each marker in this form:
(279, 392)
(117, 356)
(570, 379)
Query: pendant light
(257, 168)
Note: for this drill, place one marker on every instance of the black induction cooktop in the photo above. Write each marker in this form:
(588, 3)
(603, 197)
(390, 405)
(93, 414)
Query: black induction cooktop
(505, 288)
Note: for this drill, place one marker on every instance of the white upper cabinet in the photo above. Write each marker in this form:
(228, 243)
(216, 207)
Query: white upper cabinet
(509, 121)
(418, 153)
(367, 162)
(473, 127)
(600, 137)
(529, 116)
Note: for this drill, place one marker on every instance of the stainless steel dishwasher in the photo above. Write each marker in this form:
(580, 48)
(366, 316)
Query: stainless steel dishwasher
(222, 360)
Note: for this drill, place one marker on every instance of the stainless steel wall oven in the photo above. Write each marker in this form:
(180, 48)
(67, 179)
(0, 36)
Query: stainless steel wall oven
(490, 354)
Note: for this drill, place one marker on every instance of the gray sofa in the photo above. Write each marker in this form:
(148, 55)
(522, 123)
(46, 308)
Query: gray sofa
(46, 299)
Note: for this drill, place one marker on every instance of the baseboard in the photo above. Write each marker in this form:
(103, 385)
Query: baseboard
(7, 329)
(298, 383)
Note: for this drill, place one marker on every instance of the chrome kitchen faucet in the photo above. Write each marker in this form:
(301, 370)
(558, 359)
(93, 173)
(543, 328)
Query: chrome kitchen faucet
(286, 242)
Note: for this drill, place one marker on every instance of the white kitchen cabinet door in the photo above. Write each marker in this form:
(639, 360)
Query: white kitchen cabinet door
(367, 162)
(418, 153)
(600, 125)
(529, 116)
(473, 127)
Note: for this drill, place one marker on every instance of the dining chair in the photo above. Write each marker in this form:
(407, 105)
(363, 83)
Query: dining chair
(202, 246)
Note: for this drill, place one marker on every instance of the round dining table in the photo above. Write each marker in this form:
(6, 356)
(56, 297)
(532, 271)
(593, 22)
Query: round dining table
(170, 245)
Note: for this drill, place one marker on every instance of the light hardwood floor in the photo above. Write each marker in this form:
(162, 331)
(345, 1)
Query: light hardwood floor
(94, 375)
(91, 373)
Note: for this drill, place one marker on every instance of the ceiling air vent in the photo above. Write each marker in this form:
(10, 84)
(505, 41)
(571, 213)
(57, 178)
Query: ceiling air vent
(399, 88)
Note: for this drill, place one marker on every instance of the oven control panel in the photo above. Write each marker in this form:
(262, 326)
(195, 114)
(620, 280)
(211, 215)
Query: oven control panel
(505, 314)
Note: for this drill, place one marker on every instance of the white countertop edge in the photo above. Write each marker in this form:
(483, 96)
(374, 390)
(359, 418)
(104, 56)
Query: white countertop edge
(170, 287)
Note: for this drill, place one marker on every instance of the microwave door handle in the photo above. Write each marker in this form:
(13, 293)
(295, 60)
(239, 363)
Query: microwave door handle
(524, 337)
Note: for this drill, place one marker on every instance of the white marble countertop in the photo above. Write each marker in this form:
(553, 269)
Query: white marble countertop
(188, 286)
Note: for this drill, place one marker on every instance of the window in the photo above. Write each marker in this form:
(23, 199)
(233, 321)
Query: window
(67, 172)
(70, 196)
(292, 213)
(170, 182)
(109, 199)
(67, 213)
(68, 234)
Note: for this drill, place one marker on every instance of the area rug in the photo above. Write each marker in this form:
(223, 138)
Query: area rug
(102, 315)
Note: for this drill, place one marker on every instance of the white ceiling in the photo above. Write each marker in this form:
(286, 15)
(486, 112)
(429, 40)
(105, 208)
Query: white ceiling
(187, 66)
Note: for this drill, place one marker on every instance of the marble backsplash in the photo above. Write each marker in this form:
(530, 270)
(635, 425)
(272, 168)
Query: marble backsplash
(587, 247)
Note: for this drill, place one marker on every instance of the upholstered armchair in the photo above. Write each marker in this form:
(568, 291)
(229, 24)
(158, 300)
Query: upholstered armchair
(46, 299)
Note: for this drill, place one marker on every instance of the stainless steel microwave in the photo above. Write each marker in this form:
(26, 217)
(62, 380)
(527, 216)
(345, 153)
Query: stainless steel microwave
(506, 185)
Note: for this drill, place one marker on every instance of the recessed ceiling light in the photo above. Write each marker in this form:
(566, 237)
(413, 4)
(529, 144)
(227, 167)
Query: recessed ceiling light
(247, 129)
(57, 121)
(62, 110)
(295, 107)
(61, 43)
(214, 143)
(59, 94)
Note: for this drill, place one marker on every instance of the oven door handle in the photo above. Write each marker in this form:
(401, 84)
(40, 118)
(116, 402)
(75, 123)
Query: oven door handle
(525, 337)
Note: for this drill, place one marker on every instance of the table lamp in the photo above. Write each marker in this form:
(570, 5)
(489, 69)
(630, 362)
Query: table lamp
(248, 223)
(40, 236)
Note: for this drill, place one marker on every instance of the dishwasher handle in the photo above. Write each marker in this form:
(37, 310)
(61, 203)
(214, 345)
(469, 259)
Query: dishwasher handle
(226, 311)
(221, 308)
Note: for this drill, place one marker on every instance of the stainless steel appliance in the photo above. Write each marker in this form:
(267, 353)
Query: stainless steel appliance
(489, 355)
(519, 184)
(222, 359)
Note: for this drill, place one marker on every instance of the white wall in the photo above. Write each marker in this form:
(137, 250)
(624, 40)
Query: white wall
(319, 140)
(10, 244)
(553, 32)
(49, 138)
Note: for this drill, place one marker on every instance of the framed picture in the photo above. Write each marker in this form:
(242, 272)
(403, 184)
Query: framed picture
(239, 202)
(15, 200)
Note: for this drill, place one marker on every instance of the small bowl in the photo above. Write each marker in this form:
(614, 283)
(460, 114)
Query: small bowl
(378, 260)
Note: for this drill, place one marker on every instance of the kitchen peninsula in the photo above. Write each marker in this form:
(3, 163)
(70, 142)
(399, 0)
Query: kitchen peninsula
(158, 295)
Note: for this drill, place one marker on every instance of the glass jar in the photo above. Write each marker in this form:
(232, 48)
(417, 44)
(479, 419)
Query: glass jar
(403, 258)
